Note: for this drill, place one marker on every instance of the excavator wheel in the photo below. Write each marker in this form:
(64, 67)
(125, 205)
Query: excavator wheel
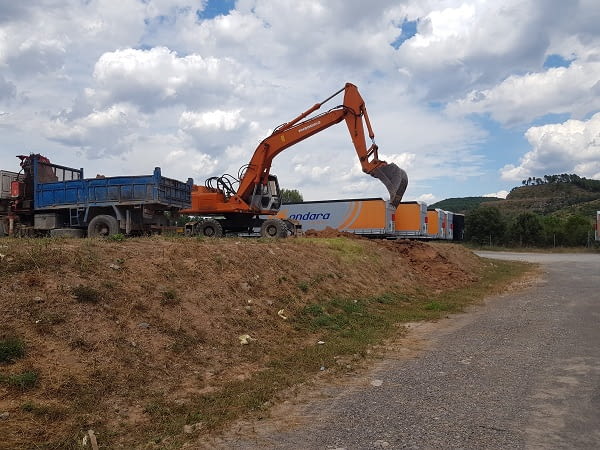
(273, 228)
(209, 228)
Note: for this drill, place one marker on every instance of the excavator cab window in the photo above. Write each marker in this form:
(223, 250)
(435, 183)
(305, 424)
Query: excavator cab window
(268, 196)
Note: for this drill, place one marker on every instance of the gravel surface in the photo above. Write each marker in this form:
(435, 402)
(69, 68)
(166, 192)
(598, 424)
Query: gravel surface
(520, 371)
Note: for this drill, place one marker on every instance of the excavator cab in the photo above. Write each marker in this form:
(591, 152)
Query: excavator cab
(267, 197)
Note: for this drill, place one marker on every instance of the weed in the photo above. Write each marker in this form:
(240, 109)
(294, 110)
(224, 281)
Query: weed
(118, 237)
(47, 412)
(80, 343)
(169, 297)
(386, 299)
(86, 294)
(23, 381)
(437, 306)
(313, 310)
(11, 349)
(220, 261)
(303, 286)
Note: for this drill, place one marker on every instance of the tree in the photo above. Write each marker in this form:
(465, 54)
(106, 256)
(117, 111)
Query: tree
(526, 229)
(577, 229)
(554, 233)
(291, 196)
(485, 224)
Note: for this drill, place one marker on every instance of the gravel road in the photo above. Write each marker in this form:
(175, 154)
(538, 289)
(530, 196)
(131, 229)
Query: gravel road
(520, 371)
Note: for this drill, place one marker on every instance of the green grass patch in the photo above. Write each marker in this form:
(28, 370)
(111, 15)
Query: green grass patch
(348, 250)
(438, 306)
(11, 349)
(23, 381)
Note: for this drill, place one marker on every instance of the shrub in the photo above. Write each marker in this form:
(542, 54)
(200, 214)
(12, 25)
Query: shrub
(23, 381)
(86, 294)
(11, 348)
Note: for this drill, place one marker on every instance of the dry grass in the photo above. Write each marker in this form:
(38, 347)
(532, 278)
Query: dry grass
(137, 338)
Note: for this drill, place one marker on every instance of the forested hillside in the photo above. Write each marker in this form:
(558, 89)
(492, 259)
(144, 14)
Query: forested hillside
(557, 210)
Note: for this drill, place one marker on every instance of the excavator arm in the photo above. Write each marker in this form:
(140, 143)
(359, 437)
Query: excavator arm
(257, 191)
(354, 112)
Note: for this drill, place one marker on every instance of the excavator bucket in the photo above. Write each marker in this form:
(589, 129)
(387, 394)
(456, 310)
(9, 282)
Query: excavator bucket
(395, 180)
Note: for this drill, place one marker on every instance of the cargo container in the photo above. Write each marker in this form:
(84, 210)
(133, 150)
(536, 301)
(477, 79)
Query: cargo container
(370, 216)
(410, 220)
(435, 223)
(458, 222)
(448, 225)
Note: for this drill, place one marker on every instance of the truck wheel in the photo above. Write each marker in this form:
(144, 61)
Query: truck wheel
(273, 228)
(103, 225)
(209, 228)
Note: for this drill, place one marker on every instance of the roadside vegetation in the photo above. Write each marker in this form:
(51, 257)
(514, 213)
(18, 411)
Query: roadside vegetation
(556, 211)
(488, 226)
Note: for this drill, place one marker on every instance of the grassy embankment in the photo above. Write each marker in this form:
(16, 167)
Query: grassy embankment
(99, 283)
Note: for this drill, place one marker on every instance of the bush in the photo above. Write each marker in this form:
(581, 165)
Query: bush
(86, 294)
(11, 348)
(23, 381)
(485, 224)
(526, 230)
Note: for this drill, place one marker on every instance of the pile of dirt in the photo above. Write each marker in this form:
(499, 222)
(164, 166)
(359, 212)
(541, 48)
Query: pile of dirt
(109, 327)
(329, 232)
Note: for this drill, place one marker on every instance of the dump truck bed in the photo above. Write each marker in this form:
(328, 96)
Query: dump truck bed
(107, 191)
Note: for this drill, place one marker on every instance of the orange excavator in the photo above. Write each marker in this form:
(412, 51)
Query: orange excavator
(236, 204)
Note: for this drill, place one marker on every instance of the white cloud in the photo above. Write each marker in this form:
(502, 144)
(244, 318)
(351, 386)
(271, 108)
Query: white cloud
(100, 133)
(569, 147)
(574, 89)
(158, 78)
(500, 194)
(427, 198)
(212, 120)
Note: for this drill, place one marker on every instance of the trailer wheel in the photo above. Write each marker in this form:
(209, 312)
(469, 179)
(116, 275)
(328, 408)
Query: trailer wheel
(209, 228)
(273, 228)
(103, 225)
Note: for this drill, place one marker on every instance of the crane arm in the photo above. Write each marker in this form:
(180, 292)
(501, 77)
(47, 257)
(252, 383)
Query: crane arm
(354, 112)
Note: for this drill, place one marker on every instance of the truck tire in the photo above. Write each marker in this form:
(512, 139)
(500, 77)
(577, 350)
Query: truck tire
(210, 228)
(102, 226)
(273, 228)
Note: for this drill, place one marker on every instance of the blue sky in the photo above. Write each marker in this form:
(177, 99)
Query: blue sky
(469, 97)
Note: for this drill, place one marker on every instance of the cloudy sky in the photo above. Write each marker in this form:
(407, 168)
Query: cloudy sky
(469, 97)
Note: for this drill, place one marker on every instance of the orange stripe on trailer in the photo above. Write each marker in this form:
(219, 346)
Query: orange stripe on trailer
(351, 216)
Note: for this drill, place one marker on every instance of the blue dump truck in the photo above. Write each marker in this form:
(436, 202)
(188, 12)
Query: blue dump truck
(48, 199)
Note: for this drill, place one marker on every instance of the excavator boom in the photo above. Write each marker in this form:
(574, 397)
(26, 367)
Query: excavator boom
(354, 112)
(234, 204)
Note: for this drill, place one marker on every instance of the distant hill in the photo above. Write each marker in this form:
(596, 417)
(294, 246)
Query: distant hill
(462, 204)
(557, 198)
